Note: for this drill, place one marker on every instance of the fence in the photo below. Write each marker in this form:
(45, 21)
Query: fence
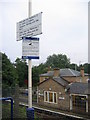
(19, 95)
(9, 98)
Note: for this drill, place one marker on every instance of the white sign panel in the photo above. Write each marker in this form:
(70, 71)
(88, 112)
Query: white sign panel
(30, 49)
(29, 27)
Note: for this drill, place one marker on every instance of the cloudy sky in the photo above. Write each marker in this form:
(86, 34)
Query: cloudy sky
(64, 27)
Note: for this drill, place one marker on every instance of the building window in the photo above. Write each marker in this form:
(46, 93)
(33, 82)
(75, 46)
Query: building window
(46, 96)
(79, 102)
(50, 97)
(55, 97)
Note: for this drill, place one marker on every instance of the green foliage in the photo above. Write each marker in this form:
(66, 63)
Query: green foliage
(74, 66)
(60, 61)
(22, 71)
(35, 76)
(6, 112)
(36, 71)
(9, 76)
(17, 72)
(86, 68)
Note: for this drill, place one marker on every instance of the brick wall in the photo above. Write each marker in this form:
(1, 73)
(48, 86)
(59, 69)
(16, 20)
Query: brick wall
(43, 78)
(53, 86)
(76, 79)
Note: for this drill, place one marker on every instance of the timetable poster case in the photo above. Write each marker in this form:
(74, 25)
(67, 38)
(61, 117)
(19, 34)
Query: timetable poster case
(30, 48)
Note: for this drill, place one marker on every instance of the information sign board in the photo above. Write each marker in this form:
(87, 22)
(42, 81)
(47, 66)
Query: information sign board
(30, 49)
(29, 27)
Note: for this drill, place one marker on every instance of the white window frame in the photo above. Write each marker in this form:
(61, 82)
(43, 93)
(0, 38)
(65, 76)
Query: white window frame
(48, 97)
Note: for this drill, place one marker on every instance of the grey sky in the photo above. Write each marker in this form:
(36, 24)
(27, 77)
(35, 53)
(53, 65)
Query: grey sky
(64, 27)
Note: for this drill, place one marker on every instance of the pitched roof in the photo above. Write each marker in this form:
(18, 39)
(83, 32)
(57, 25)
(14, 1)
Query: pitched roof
(64, 72)
(69, 72)
(78, 88)
(59, 80)
(48, 74)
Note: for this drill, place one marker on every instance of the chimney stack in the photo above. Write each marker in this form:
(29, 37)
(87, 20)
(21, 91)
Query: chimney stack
(82, 71)
(56, 72)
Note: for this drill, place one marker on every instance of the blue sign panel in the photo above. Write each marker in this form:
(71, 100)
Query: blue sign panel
(30, 48)
(29, 57)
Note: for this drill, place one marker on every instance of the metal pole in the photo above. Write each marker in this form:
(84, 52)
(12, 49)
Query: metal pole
(89, 34)
(11, 109)
(29, 83)
(29, 67)
(30, 110)
(29, 8)
(9, 98)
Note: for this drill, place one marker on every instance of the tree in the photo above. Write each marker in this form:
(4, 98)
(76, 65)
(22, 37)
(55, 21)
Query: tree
(36, 71)
(86, 68)
(60, 61)
(35, 75)
(22, 71)
(74, 66)
(9, 75)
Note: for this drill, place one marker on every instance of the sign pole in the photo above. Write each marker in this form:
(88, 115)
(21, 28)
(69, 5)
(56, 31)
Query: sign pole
(25, 30)
(29, 67)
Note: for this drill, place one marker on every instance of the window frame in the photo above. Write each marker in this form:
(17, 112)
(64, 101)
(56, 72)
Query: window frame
(53, 95)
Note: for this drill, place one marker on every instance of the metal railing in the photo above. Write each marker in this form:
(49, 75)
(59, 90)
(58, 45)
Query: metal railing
(9, 98)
